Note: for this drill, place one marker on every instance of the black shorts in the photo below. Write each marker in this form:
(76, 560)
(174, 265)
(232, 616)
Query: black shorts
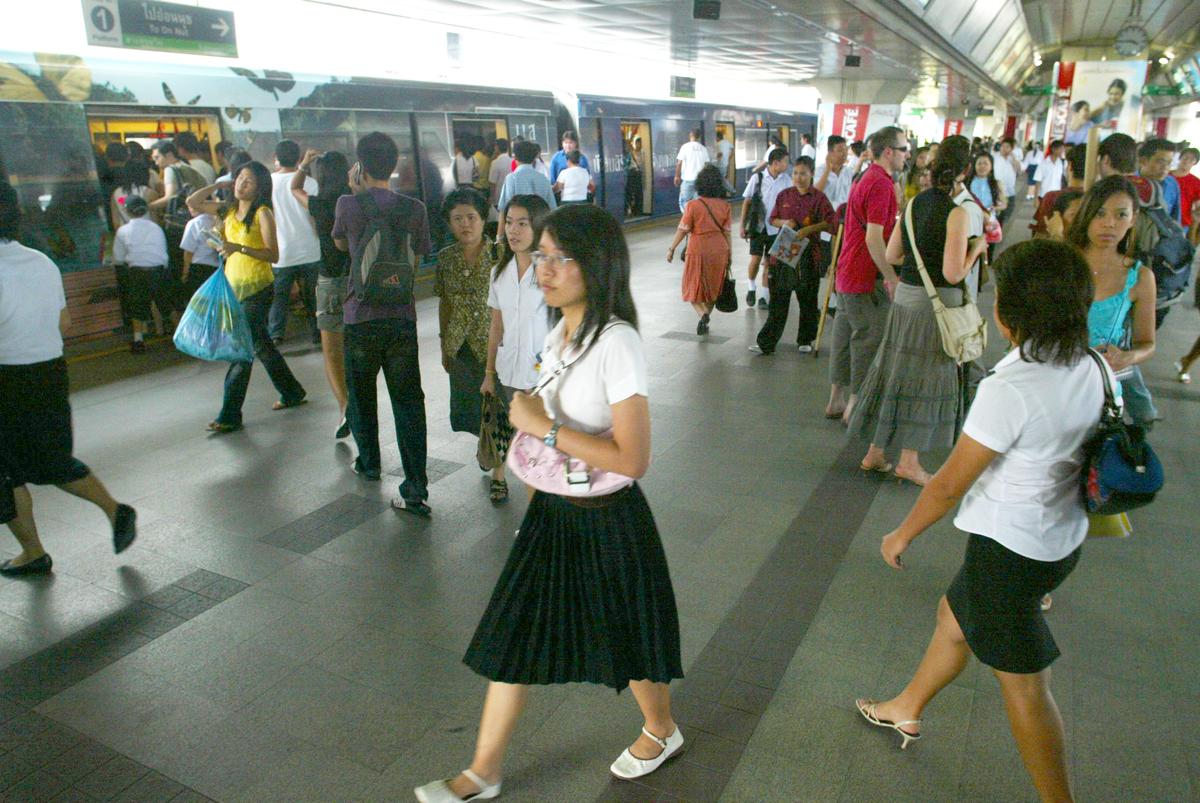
(760, 243)
(145, 285)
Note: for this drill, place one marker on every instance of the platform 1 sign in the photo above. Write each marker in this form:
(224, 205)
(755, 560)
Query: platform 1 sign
(151, 25)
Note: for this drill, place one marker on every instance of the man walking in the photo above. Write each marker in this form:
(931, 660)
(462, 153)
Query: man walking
(299, 247)
(759, 197)
(692, 157)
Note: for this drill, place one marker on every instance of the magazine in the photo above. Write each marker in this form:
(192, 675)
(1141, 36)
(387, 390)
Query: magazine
(788, 248)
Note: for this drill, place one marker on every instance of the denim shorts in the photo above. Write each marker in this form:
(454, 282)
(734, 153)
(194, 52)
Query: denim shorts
(331, 294)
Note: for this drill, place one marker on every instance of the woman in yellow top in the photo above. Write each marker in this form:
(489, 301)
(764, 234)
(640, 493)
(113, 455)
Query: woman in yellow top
(250, 248)
(464, 277)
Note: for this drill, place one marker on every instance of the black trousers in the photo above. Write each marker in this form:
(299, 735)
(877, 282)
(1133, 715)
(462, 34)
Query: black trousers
(806, 290)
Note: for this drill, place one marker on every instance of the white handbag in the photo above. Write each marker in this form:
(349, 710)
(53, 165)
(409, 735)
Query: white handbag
(963, 329)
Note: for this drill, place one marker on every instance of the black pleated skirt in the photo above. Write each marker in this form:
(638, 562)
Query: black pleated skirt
(585, 597)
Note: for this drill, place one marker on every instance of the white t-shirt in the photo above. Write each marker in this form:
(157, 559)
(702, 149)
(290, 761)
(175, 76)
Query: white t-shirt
(611, 372)
(575, 182)
(724, 151)
(464, 169)
(809, 151)
(1049, 175)
(838, 188)
(771, 189)
(195, 242)
(694, 157)
(294, 228)
(204, 169)
(522, 307)
(31, 299)
(1005, 173)
(976, 218)
(140, 243)
(1038, 417)
(501, 167)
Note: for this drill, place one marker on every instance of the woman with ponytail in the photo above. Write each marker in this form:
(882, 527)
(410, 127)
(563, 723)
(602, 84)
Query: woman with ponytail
(910, 397)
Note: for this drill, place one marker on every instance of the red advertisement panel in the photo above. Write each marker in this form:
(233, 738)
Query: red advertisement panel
(850, 120)
(952, 128)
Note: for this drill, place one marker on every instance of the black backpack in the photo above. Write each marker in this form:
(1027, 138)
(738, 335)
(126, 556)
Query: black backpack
(176, 216)
(1162, 244)
(756, 218)
(381, 268)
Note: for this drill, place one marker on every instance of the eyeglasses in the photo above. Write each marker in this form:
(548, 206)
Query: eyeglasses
(550, 260)
(898, 148)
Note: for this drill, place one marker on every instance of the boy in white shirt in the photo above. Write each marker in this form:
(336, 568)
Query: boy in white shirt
(142, 245)
(575, 182)
(200, 261)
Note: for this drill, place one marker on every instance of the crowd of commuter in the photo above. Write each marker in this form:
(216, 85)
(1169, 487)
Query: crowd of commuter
(536, 316)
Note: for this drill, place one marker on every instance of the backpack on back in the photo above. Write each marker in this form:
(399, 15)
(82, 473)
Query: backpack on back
(176, 216)
(1162, 244)
(756, 218)
(381, 268)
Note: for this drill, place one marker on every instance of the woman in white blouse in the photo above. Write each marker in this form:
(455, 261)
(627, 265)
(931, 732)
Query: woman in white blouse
(585, 595)
(1016, 469)
(520, 318)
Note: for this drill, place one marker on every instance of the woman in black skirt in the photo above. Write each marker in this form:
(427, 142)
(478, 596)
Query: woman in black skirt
(35, 411)
(1016, 468)
(585, 595)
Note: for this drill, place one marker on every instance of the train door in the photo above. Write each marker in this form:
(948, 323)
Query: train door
(639, 168)
(478, 130)
(724, 149)
(784, 132)
(105, 126)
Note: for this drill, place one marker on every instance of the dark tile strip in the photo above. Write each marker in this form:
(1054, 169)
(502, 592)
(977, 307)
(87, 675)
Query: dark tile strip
(692, 337)
(733, 680)
(316, 529)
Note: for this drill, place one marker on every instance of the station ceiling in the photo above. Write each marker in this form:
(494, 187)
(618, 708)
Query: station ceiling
(1171, 24)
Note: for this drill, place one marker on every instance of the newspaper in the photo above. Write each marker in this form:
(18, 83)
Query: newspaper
(788, 248)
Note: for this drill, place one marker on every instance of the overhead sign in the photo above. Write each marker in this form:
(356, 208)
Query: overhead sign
(1030, 89)
(1155, 89)
(152, 25)
(682, 87)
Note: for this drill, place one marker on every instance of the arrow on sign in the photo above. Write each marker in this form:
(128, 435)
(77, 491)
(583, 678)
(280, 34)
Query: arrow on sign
(221, 26)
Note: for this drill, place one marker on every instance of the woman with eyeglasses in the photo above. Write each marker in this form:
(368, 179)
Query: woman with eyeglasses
(585, 596)
(520, 319)
(462, 282)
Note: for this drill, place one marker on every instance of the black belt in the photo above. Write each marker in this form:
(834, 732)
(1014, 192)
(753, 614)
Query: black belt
(598, 501)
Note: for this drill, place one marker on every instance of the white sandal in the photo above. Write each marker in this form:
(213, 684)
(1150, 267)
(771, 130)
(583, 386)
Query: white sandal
(439, 791)
(867, 709)
(628, 766)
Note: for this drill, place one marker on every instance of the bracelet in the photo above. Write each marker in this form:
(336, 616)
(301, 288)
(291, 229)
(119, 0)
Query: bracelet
(490, 373)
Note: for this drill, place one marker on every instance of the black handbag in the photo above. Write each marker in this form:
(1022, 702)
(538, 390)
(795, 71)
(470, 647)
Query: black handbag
(1120, 470)
(727, 298)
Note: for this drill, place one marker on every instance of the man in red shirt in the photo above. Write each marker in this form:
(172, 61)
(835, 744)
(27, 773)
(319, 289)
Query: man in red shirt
(863, 300)
(1189, 185)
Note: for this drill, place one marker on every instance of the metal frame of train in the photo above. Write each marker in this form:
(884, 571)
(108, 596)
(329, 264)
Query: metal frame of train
(58, 112)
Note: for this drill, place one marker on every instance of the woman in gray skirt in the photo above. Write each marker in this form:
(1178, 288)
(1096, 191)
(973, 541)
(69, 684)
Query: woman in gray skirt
(910, 397)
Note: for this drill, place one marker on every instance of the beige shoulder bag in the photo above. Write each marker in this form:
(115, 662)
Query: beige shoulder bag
(963, 330)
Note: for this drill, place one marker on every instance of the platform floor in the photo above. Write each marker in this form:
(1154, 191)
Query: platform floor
(276, 633)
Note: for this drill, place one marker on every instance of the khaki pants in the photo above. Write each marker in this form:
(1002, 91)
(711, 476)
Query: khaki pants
(857, 330)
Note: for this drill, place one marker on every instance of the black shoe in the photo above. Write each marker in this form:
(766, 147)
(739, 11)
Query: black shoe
(41, 565)
(702, 325)
(137, 347)
(124, 528)
(757, 349)
(416, 507)
(750, 298)
(762, 303)
(316, 338)
(343, 430)
(373, 476)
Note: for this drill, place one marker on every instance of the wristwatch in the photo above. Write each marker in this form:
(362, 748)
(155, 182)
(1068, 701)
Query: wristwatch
(551, 438)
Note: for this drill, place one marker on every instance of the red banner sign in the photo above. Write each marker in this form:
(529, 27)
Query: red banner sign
(1010, 126)
(850, 120)
(1060, 106)
(952, 128)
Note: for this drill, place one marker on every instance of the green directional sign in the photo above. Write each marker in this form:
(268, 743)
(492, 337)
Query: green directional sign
(153, 25)
(1044, 89)
(1155, 89)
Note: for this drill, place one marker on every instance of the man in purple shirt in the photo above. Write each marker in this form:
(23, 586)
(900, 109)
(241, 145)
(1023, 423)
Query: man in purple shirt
(384, 337)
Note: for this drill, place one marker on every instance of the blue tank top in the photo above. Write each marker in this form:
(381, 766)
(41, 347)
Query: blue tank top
(1108, 316)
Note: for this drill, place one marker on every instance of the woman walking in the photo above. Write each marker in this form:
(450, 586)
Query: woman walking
(35, 408)
(1121, 320)
(911, 395)
(331, 171)
(462, 283)
(250, 248)
(709, 221)
(1016, 468)
(586, 595)
(520, 319)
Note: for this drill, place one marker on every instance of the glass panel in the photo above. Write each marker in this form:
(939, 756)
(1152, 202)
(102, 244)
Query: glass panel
(434, 133)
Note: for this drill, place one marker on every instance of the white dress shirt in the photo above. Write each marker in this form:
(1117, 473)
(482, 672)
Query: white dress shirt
(522, 308)
(140, 243)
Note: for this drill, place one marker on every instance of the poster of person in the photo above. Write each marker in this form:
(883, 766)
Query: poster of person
(1097, 94)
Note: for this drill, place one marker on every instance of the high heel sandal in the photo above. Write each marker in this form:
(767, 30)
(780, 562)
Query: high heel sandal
(867, 709)
(439, 791)
(883, 468)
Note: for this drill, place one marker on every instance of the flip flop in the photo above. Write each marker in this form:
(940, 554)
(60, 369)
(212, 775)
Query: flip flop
(286, 405)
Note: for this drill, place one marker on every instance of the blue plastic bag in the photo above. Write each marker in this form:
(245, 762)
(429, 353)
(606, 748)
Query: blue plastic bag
(214, 325)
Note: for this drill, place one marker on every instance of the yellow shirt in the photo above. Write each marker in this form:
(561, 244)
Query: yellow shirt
(246, 274)
(483, 166)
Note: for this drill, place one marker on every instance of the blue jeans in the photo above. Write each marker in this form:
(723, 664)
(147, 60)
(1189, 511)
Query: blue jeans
(237, 378)
(687, 191)
(306, 275)
(389, 345)
(1138, 402)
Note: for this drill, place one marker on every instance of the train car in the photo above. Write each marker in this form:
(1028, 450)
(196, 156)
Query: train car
(632, 144)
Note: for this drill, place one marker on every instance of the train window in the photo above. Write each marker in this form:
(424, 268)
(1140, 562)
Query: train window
(751, 146)
(486, 131)
(637, 161)
(339, 130)
(398, 126)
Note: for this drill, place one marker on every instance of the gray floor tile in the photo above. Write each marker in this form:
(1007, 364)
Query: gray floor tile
(110, 780)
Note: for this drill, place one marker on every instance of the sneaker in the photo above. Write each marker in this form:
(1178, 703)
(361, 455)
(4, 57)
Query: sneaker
(757, 349)
(417, 507)
(372, 476)
(762, 303)
(343, 430)
(804, 348)
(750, 298)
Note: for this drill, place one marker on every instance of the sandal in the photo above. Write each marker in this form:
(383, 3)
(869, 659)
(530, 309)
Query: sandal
(1182, 375)
(882, 468)
(286, 405)
(498, 491)
(919, 481)
(867, 709)
(220, 428)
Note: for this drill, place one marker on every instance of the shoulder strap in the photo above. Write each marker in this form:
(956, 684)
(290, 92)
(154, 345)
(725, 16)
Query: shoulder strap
(912, 240)
(1111, 409)
(562, 368)
(708, 209)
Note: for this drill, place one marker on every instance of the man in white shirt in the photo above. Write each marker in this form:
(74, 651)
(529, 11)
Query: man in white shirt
(724, 160)
(299, 248)
(835, 176)
(692, 158)
(142, 246)
(575, 182)
(1005, 167)
(1052, 170)
(501, 167)
(762, 188)
(807, 148)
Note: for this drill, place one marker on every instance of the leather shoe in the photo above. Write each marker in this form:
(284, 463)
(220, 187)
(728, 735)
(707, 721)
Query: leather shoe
(41, 565)
(124, 528)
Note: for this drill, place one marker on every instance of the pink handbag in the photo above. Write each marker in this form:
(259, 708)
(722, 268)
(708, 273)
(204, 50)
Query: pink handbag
(549, 470)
